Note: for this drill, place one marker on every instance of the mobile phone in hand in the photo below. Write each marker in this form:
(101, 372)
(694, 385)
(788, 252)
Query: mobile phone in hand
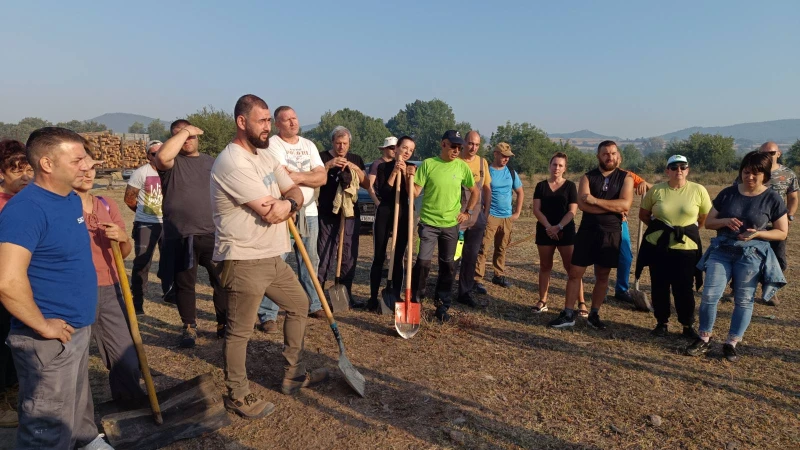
(748, 234)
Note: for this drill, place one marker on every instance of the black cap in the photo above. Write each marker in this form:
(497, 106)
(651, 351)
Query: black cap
(454, 137)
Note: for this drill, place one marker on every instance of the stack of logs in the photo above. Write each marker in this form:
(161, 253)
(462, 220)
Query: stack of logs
(115, 152)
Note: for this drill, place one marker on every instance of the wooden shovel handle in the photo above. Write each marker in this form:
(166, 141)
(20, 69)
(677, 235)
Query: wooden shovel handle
(341, 245)
(311, 270)
(397, 182)
(137, 338)
(410, 249)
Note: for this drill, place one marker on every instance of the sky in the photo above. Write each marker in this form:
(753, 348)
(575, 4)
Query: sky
(622, 68)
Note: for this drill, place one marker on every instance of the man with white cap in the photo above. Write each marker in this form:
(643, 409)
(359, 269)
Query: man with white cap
(388, 147)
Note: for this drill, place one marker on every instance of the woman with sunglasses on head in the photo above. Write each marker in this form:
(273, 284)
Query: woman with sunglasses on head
(387, 175)
(674, 211)
(555, 202)
(110, 329)
(741, 251)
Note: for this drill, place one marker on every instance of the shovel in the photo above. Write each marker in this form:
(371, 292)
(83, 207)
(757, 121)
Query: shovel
(187, 410)
(406, 314)
(389, 294)
(640, 299)
(340, 301)
(351, 375)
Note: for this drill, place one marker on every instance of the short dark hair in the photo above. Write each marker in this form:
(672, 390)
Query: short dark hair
(246, 103)
(178, 123)
(606, 143)
(757, 162)
(404, 138)
(280, 110)
(559, 155)
(12, 155)
(44, 141)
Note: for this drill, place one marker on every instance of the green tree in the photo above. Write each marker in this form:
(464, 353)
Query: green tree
(137, 128)
(78, 126)
(654, 162)
(632, 158)
(20, 131)
(219, 129)
(652, 145)
(792, 156)
(157, 130)
(706, 152)
(426, 122)
(368, 132)
(533, 149)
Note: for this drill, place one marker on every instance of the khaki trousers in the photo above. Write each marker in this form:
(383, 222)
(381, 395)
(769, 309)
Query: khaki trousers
(499, 231)
(246, 282)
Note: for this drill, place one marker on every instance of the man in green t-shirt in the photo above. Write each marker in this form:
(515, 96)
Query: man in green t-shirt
(441, 177)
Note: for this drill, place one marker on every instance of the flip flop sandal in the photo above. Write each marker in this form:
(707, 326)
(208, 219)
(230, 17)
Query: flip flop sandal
(540, 309)
(582, 310)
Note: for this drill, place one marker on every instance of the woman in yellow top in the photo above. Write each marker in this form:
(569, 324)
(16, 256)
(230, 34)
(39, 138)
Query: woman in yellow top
(674, 211)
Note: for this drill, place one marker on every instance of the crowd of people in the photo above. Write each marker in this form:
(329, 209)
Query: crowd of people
(59, 285)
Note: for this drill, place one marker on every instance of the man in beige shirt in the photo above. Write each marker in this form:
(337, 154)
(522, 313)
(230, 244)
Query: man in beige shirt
(251, 201)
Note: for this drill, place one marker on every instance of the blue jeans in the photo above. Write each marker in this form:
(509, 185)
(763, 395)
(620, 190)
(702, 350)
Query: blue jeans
(744, 267)
(268, 309)
(625, 260)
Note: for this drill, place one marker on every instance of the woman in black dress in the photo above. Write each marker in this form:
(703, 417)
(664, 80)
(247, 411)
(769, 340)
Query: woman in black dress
(388, 174)
(555, 202)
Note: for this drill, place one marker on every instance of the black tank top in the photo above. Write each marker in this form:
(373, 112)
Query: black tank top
(606, 188)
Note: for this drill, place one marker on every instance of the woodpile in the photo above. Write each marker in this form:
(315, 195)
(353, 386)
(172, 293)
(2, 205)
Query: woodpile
(116, 153)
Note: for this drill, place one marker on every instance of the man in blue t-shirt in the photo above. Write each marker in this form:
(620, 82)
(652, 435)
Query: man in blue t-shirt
(502, 214)
(48, 283)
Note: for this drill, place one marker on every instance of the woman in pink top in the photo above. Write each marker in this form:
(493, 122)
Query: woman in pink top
(110, 329)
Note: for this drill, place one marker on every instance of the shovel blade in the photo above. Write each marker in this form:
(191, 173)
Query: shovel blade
(640, 299)
(352, 375)
(406, 319)
(340, 301)
(390, 298)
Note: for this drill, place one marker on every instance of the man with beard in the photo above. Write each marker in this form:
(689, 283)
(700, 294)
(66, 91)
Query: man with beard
(300, 159)
(604, 195)
(442, 178)
(253, 196)
(341, 166)
(188, 224)
(388, 150)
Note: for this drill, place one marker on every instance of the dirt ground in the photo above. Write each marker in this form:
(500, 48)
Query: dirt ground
(496, 377)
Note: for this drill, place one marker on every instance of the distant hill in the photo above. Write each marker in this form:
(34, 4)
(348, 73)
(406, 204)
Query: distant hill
(786, 130)
(305, 128)
(120, 122)
(582, 134)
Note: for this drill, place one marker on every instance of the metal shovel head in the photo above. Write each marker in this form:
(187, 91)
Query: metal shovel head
(340, 301)
(640, 299)
(406, 319)
(389, 299)
(352, 375)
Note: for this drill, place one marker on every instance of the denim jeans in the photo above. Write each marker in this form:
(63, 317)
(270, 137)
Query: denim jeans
(723, 264)
(625, 260)
(268, 309)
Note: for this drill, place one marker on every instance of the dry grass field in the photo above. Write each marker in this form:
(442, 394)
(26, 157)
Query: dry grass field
(496, 377)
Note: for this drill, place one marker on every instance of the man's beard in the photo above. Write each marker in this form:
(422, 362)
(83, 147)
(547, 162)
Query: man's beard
(611, 165)
(255, 140)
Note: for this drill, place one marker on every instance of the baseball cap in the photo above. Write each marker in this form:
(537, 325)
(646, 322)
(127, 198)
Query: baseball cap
(453, 136)
(390, 141)
(152, 143)
(677, 159)
(504, 149)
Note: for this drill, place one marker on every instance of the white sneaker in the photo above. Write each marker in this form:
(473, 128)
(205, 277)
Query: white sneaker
(99, 443)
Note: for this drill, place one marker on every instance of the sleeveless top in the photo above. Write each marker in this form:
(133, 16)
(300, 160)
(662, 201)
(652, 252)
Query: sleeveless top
(606, 188)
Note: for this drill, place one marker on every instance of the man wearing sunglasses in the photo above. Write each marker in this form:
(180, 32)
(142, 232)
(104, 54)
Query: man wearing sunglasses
(442, 178)
(604, 195)
(143, 196)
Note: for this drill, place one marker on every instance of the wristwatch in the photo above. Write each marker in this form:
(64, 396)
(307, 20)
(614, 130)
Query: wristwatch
(560, 228)
(291, 202)
(791, 218)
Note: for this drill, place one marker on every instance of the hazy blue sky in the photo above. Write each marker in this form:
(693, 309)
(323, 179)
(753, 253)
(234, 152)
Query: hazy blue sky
(619, 68)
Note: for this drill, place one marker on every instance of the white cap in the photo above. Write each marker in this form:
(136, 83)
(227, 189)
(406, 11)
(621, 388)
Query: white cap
(676, 159)
(390, 141)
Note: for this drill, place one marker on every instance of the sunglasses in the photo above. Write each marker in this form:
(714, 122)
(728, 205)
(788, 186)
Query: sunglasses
(770, 153)
(152, 154)
(391, 147)
(455, 146)
(605, 185)
(675, 167)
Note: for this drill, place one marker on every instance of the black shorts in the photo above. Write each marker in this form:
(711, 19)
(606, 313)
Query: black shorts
(566, 236)
(596, 246)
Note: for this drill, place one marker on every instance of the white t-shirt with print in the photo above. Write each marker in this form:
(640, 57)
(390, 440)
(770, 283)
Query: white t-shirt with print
(238, 177)
(150, 198)
(300, 157)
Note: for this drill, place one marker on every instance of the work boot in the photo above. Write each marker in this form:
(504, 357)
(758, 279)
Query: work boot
(466, 299)
(291, 386)
(250, 407)
(660, 330)
(442, 315)
(269, 327)
(501, 281)
(189, 336)
(480, 288)
(318, 314)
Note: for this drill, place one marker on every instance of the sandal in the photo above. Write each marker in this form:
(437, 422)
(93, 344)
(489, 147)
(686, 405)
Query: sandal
(582, 310)
(540, 309)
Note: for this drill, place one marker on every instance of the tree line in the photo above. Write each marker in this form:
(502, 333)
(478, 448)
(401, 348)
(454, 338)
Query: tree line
(425, 121)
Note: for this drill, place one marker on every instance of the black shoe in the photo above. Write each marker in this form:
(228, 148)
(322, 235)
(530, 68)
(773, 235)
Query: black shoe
(729, 352)
(660, 330)
(480, 289)
(189, 336)
(358, 304)
(373, 305)
(466, 299)
(563, 320)
(595, 322)
(139, 310)
(690, 333)
(442, 315)
(623, 296)
(170, 295)
(698, 347)
(501, 281)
